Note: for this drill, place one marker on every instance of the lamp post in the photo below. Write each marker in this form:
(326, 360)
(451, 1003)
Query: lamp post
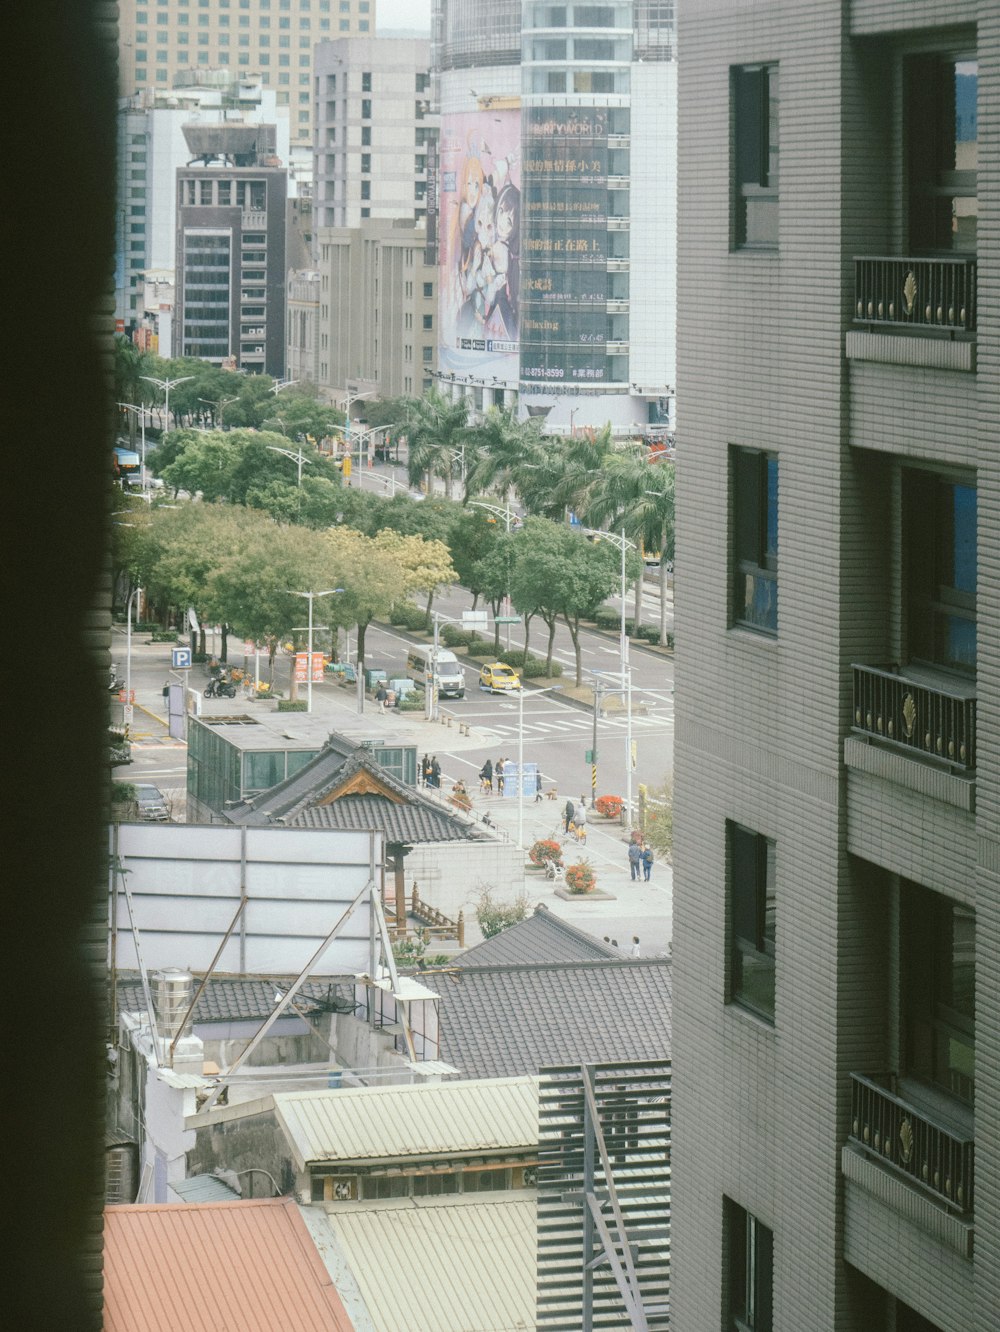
(295, 457)
(140, 412)
(133, 595)
(280, 384)
(623, 544)
(310, 596)
(219, 405)
(348, 399)
(166, 385)
(520, 756)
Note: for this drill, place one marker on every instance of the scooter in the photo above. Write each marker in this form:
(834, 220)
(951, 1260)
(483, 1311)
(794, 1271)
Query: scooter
(220, 688)
(114, 684)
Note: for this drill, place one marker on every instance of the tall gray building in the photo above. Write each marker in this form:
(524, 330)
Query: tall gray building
(837, 882)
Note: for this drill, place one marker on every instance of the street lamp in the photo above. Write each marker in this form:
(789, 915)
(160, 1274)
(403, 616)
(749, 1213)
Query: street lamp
(140, 411)
(309, 596)
(520, 756)
(353, 397)
(295, 457)
(166, 385)
(219, 406)
(623, 544)
(508, 515)
(136, 592)
(280, 384)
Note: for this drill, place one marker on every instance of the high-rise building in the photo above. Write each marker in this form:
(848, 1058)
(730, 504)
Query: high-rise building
(374, 130)
(230, 265)
(151, 148)
(162, 41)
(836, 1107)
(556, 227)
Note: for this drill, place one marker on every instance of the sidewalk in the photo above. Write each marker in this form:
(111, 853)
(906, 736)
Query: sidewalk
(637, 908)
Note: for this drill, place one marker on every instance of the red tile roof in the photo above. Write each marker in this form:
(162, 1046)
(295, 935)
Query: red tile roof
(248, 1266)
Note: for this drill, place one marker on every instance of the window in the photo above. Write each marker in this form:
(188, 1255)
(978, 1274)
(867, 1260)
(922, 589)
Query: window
(755, 540)
(751, 920)
(938, 969)
(366, 162)
(366, 82)
(366, 136)
(428, 320)
(755, 134)
(427, 354)
(939, 537)
(942, 152)
(366, 189)
(749, 1259)
(366, 109)
(428, 290)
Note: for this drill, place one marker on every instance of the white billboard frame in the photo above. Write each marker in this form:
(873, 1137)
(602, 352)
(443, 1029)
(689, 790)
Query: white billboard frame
(187, 883)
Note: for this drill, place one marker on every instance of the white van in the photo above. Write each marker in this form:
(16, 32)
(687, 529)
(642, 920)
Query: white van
(449, 677)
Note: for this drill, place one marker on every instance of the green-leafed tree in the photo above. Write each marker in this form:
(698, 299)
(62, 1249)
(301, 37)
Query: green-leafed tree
(636, 496)
(472, 539)
(436, 428)
(499, 451)
(493, 573)
(371, 585)
(560, 574)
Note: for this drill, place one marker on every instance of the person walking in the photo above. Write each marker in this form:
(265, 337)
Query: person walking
(486, 777)
(634, 859)
(499, 774)
(435, 773)
(635, 946)
(647, 862)
(580, 819)
(538, 785)
(568, 812)
(381, 696)
(425, 770)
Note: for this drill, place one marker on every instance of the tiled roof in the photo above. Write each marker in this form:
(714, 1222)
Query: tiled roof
(230, 1000)
(405, 824)
(501, 1021)
(362, 1124)
(542, 937)
(462, 1264)
(415, 817)
(251, 1264)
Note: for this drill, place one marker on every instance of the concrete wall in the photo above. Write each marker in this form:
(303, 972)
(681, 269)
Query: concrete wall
(452, 875)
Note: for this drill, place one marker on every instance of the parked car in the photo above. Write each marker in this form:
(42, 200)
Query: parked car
(152, 805)
(499, 678)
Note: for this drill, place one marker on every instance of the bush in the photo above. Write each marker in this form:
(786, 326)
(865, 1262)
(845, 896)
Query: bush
(411, 703)
(656, 805)
(544, 850)
(607, 618)
(533, 668)
(292, 705)
(199, 657)
(452, 636)
(164, 636)
(649, 633)
(493, 916)
(580, 878)
(408, 615)
(609, 805)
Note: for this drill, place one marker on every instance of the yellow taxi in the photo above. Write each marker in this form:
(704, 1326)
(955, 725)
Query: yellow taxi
(499, 678)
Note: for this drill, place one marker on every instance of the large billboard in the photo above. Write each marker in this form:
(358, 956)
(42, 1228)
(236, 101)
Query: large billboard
(479, 235)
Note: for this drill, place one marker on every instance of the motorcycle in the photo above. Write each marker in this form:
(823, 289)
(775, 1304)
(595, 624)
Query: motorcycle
(114, 683)
(220, 687)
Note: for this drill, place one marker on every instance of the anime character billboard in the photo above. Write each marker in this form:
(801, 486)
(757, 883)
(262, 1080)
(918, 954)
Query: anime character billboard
(480, 243)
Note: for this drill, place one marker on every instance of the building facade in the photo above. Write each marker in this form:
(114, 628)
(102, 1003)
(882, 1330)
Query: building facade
(161, 44)
(374, 130)
(230, 264)
(557, 274)
(837, 816)
(377, 311)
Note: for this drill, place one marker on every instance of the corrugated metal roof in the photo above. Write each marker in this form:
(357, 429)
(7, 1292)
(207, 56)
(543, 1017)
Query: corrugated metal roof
(444, 1264)
(204, 1189)
(205, 1267)
(432, 1119)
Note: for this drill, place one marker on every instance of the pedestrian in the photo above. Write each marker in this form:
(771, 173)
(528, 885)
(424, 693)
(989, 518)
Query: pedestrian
(635, 945)
(569, 811)
(647, 862)
(435, 773)
(486, 777)
(425, 770)
(538, 785)
(580, 820)
(634, 858)
(381, 696)
(499, 774)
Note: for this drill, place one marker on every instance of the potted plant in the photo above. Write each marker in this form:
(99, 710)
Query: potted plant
(544, 850)
(609, 806)
(580, 878)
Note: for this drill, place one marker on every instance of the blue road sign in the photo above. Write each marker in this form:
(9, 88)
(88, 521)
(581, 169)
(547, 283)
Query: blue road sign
(180, 658)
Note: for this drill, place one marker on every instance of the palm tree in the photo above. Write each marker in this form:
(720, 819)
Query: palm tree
(499, 447)
(636, 496)
(437, 429)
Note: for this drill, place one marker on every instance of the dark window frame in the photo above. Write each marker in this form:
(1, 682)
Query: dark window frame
(755, 508)
(936, 180)
(755, 101)
(752, 932)
(941, 615)
(749, 1264)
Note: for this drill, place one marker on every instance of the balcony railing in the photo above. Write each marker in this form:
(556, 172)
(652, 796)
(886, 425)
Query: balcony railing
(940, 1160)
(918, 717)
(916, 293)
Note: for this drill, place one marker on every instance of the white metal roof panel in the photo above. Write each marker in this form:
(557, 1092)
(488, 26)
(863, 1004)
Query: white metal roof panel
(430, 1119)
(444, 1264)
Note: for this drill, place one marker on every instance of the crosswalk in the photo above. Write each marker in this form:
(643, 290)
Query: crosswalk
(566, 721)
